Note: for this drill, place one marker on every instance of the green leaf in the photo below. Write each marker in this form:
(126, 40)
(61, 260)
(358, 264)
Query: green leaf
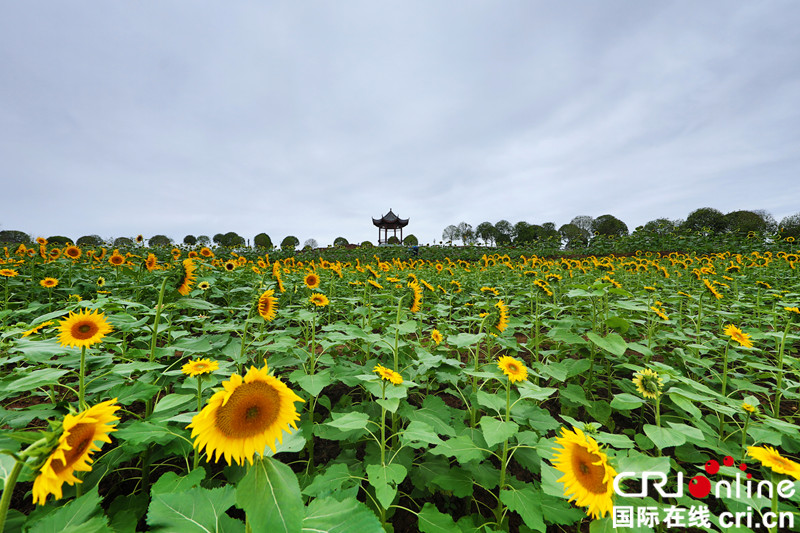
(534, 392)
(456, 481)
(172, 482)
(626, 402)
(37, 378)
(329, 515)
(462, 340)
(195, 510)
(143, 432)
(390, 404)
(417, 433)
(663, 437)
(612, 343)
(270, 495)
(385, 480)
(312, 384)
(495, 402)
(638, 462)
(330, 482)
(432, 521)
(463, 448)
(349, 421)
(496, 431)
(174, 402)
(526, 503)
(78, 516)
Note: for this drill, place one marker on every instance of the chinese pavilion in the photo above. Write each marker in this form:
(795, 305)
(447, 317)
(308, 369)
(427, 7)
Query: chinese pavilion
(387, 222)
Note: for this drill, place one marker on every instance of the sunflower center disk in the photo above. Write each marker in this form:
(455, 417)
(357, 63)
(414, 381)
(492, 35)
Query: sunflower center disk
(84, 330)
(250, 410)
(590, 476)
(79, 439)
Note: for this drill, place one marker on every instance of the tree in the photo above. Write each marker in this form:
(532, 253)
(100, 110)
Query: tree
(503, 232)
(310, 243)
(394, 239)
(771, 226)
(450, 233)
(411, 240)
(486, 231)
(585, 223)
(90, 240)
(609, 225)
(159, 240)
(340, 241)
(744, 222)
(705, 220)
(119, 242)
(366, 244)
(203, 240)
(11, 236)
(790, 226)
(290, 243)
(661, 226)
(522, 232)
(548, 232)
(466, 233)
(191, 240)
(233, 239)
(262, 240)
(219, 238)
(58, 239)
(573, 236)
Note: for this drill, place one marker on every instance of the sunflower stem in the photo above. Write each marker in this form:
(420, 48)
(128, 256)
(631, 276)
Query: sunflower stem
(776, 407)
(499, 511)
(82, 372)
(196, 461)
(154, 338)
(774, 503)
(11, 481)
(724, 385)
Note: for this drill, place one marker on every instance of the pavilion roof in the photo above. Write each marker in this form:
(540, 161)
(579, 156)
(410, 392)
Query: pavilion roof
(390, 221)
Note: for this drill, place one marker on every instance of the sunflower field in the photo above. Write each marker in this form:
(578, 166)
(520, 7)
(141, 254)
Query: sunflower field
(211, 390)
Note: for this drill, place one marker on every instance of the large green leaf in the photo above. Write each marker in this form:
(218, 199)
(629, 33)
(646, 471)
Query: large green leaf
(385, 480)
(612, 342)
(270, 495)
(196, 510)
(663, 437)
(433, 521)
(78, 516)
(463, 448)
(329, 515)
(525, 502)
(496, 431)
(37, 378)
(348, 421)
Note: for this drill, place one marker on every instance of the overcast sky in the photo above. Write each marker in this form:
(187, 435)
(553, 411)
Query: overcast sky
(310, 118)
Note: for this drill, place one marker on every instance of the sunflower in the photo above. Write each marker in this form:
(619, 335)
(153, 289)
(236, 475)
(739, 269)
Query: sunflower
(795, 310)
(230, 265)
(73, 252)
(749, 408)
(204, 285)
(55, 253)
(245, 417)
(515, 370)
(437, 337)
(416, 303)
(588, 478)
(199, 367)
(311, 280)
(206, 252)
(101, 281)
(188, 277)
(320, 300)
(41, 241)
(83, 329)
(738, 335)
(8, 272)
(660, 312)
(648, 383)
(712, 290)
(116, 258)
(388, 374)
(150, 262)
(770, 458)
(75, 447)
(374, 283)
(139, 238)
(48, 283)
(502, 320)
(36, 329)
(268, 305)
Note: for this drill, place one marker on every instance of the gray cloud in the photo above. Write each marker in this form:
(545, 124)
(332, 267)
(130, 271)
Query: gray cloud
(120, 118)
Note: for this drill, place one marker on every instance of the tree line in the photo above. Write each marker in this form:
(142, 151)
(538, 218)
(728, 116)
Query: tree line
(582, 229)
